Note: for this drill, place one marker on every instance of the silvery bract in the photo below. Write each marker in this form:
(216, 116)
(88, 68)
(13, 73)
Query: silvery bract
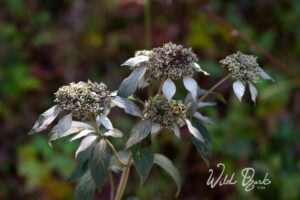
(245, 69)
(167, 63)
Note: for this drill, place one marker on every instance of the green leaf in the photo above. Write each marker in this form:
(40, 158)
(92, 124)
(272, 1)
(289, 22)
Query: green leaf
(80, 169)
(130, 84)
(86, 188)
(168, 166)
(46, 119)
(204, 148)
(220, 97)
(140, 131)
(143, 160)
(99, 162)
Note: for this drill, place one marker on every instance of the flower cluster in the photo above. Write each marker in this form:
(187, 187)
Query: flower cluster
(83, 98)
(166, 113)
(171, 61)
(242, 67)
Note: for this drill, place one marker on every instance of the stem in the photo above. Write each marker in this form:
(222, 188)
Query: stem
(147, 21)
(124, 179)
(115, 152)
(112, 188)
(214, 87)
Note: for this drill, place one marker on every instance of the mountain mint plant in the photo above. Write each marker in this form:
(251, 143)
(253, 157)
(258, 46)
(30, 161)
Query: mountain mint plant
(82, 113)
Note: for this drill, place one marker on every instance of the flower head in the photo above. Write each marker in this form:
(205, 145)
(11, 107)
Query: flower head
(83, 98)
(168, 114)
(243, 67)
(171, 61)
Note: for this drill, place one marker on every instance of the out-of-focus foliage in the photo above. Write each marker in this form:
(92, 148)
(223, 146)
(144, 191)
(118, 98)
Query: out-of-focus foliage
(44, 44)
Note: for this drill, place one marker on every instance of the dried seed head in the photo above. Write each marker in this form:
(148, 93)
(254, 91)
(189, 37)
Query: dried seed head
(171, 61)
(243, 67)
(167, 113)
(83, 98)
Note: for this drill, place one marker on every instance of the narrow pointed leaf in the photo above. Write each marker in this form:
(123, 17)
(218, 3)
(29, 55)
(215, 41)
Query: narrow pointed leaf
(169, 89)
(195, 132)
(191, 85)
(86, 188)
(128, 106)
(85, 143)
(64, 123)
(239, 89)
(82, 134)
(99, 162)
(113, 133)
(169, 167)
(253, 92)
(177, 131)
(130, 84)
(205, 104)
(265, 76)
(105, 122)
(199, 69)
(204, 118)
(46, 119)
(143, 161)
(139, 132)
(135, 60)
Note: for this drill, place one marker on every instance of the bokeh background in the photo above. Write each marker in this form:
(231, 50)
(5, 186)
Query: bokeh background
(45, 44)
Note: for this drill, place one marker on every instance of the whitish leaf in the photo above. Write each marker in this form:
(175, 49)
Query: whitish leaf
(168, 166)
(191, 85)
(140, 131)
(82, 134)
(199, 69)
(105, 122)
(85, 143)
(239, 89)
(135, 60)
(130, 84)
(128, 106)
(205, 104)
(46, 119)
(86, 188)
(253, 92)
(169, 89)
(203, 118)
(265, 76)
(74, 128)
(204, 148)
(176, 131)
(99, 162)
(195, 132)
(143, 161)
(113, 133)
(64, 123)
(155, 128)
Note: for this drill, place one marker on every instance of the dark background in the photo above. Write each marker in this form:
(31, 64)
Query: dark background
(45, 44)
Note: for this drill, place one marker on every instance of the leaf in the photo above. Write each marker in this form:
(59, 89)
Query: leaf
(239, 89)
(265, 76)
(46, 119)
(113, 133)
(64, 123)
(135, 60)
(155, 128)
(169, 89)
(205, 104)
(85, 143)
(74, 128)
(140, 131)
(191, 85)
(105, 122)
(199, 69)
(176, 131)
(82, 134)
(130, 84)
(204, 118)
(143, 161)
(99, 162)
(79, 171)
(168, 166)
(195, 132)
(220, 97)
(128, 106)
(204, 148)
(253, 92)
(86, 188)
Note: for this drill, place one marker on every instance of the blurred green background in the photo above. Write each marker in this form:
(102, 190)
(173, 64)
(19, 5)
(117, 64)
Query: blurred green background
(45, 44)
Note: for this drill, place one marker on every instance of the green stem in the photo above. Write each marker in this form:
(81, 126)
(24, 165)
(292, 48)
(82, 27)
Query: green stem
(147, 22)
(214, 87)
